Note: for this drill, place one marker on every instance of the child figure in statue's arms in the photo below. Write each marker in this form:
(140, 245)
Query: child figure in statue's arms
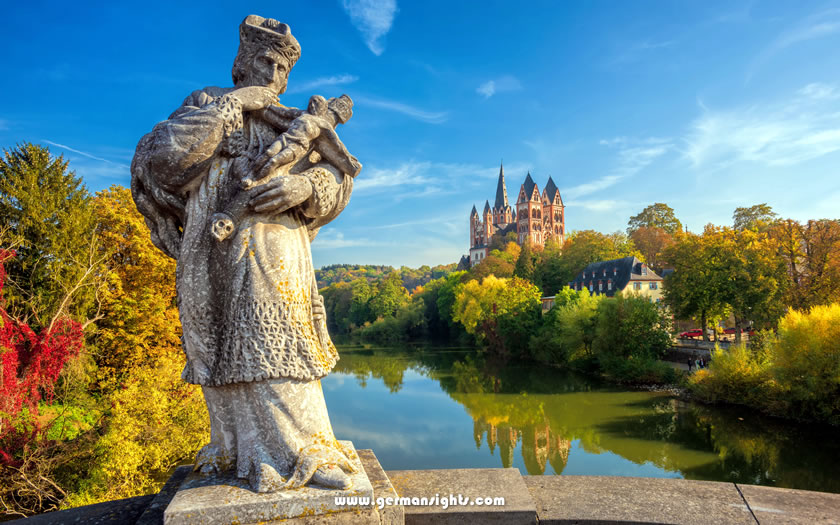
(320, 118)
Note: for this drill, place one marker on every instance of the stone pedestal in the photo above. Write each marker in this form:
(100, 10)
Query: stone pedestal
(224, 499)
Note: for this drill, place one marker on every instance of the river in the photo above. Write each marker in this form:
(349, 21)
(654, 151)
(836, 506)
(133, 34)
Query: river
(430, 408)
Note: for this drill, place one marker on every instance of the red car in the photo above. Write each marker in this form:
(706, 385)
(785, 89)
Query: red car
(691, 334)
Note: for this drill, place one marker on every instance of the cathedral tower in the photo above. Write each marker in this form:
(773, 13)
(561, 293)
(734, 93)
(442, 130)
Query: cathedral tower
(554, 216)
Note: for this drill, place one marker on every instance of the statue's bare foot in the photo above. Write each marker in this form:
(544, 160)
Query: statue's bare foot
(211, 459)
(264, 478)
(332, 476)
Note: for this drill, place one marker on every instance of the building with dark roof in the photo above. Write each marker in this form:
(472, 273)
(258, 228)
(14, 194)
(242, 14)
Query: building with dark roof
(625, 274)
(536, 217)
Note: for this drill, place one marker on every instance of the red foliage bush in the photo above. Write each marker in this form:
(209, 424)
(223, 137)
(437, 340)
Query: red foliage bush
(30, 364)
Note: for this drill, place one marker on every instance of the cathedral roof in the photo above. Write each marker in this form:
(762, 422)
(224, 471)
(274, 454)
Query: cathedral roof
(501, 190)
(550, 189)
(474, 211)
(529, 186)
(486, 206)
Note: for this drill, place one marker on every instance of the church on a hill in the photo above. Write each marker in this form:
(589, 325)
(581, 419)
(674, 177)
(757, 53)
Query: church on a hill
(536, 217)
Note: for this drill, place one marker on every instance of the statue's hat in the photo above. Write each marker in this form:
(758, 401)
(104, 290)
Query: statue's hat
(270, 33)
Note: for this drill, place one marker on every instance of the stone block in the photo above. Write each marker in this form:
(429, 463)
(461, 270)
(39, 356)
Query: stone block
(467, 483)
(605, 499)
(382, 489)
(774, 505)
(224, 499)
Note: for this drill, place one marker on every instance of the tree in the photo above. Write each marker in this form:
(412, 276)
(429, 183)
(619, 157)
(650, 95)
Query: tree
(496, 310)
(631, 326)
(140, 319)
(493, 264)
(756, 217)
(588, 246)
(46, 209)
(657, 215)
(524, 268)
(811, 255)
(338, 299)
(549, 271)
(30, 365)
(754, 275)
(499, 242)
(389, 297)
(652, 242)
(694, 289)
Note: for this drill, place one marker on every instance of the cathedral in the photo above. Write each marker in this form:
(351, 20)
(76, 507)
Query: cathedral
(536, 217)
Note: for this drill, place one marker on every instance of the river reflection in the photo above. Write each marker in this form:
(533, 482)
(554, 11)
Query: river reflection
(449, 408)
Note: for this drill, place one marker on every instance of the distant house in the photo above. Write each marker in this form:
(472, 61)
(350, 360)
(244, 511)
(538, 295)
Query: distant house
(628, 274)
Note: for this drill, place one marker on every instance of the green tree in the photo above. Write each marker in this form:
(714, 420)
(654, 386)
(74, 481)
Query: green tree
(46, 210)
(549, 271)
(493, 264)
(756, 217)
(389, 297)
(631, 326)
(499, 242)
(695, 288)
(754, 275)
(588, 246)
(338, 300)
(496, 310)
(657, 215)
(524, 268)
(360, 311)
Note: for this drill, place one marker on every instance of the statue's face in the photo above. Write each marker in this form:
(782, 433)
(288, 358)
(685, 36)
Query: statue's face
(268, 69)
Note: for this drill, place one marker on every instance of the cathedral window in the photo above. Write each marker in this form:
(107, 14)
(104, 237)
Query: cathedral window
(609, 284)
(600, 286)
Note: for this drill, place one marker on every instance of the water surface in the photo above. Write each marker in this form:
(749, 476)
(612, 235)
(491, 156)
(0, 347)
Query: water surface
(428, 408)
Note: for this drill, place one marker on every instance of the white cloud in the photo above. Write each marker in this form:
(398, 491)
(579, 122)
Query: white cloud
(499, 85)
(335, 80)
(775, 134)
(407, 174)
(818, 90)
(84, 154)
(329, 238)
(488, 89)
(633, 157)
(818, 25)
(373, 19)
(432, 117)
(425, 178)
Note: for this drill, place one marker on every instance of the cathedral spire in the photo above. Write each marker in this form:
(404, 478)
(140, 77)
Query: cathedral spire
(501, 190)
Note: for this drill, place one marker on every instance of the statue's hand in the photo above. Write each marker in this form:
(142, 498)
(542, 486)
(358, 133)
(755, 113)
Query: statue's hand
(254, 98)
(281, 193)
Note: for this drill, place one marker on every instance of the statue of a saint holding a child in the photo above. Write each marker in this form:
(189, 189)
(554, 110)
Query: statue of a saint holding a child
(235, 186)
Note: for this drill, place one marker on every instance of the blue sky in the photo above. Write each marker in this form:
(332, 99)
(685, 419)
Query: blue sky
(703, 105)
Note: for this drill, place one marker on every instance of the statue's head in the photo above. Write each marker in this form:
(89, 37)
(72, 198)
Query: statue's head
(267, 52)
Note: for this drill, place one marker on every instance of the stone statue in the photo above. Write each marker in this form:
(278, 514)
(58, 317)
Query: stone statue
(235, 186)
